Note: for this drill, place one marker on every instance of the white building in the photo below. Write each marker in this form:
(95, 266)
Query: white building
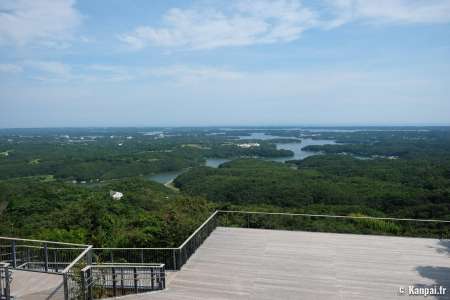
(116, 195)
(248, 145)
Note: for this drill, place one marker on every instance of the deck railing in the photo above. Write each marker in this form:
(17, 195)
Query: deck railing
(172, 258)
(357, 224)
(72, 280)
(36, 255)
(5, 280)
(197, 238)
(85, 268)
(166, 256)
(115, 280)
(175, 258)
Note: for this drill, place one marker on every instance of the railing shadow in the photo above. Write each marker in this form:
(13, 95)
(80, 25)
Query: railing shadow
(444, 247)
(440, 275)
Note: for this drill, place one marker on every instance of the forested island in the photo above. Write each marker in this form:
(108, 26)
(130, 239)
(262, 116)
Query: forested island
(56, 184)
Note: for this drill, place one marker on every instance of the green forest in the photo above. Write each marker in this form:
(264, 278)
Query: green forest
(55, 184)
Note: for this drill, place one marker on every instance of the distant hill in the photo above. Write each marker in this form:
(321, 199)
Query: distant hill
(332, 184)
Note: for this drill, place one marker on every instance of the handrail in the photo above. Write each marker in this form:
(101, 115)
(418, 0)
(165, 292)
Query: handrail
(42, 241)
(49, 248)
(134, 248)
(199, 228)
(178, 256)
(89, 247)
(172, 248)
(212, 216)
(79, 257)
(123, 265)
(336, 216)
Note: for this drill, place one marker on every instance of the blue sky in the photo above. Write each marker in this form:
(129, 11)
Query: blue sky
(235, 62)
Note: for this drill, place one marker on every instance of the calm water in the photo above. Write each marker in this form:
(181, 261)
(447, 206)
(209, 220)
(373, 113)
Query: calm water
(167, 177)
(263, 136)
(297, 149)
(215, 162)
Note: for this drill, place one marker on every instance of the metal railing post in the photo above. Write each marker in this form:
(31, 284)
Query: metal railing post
(90, 282)
(89, 258)
(152, 278)
(163, 286)
(55, 260)
(28, 255)
(4, 282)
(66, 287)
(14, 254)
(83, 284)
(113, 271)
(174, 260)
(122, 285)
(135, 277)
(46, 257)
(7, 283)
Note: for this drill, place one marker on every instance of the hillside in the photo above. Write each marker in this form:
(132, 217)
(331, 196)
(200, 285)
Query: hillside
(331, 184)
(149, 214)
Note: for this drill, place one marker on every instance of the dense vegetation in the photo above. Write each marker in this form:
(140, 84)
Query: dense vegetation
(377, 172)
(94, 156)
(149, 214)
(332, 184)
(402, 174)
(407, 143)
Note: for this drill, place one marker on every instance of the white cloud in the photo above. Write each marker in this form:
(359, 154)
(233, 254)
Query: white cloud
(50, 68)
(10, 68)
(189, 74)
(45, 22)
(55, 71)
(109, 73)
(247, 23)
(389, 11)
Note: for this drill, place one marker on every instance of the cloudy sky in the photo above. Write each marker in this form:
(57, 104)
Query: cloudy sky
(231, 62)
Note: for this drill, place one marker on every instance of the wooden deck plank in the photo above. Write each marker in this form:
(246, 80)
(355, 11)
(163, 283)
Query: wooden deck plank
(236, 263)
(35, 286)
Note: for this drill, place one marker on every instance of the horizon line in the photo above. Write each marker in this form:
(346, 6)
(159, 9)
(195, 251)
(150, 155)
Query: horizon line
(239, 126)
